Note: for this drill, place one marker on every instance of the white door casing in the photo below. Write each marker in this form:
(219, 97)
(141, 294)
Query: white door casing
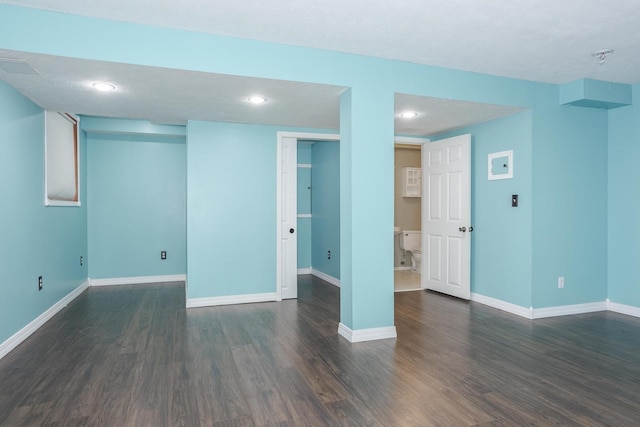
(446, 216)
(289, 218)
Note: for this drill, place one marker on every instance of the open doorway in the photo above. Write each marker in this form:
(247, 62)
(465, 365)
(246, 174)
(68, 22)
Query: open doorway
(408, 216)
(446, 223)
(307, 199)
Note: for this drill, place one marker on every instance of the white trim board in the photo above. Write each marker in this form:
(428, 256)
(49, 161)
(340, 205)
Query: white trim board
(518, 310)
(137, 280)
(566, 310)
(325, 277)
(540, 313)
(410, 140)
(230, 299)
(408, 290)
(36, 323)
(304, 165)
(320, 275)
(304, 215)
(629, 310)
(371, 334)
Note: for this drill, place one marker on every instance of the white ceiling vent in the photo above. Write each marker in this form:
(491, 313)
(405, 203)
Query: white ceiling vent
(16, 66)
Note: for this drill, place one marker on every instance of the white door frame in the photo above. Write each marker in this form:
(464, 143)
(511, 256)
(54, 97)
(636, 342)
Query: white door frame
(279, 136)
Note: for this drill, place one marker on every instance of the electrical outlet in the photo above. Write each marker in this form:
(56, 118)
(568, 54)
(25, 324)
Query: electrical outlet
(163, 255)
(81, 260)
(39, 283)
(328, 254)
(560, 282)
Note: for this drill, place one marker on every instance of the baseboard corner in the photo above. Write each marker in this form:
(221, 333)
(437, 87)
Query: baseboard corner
(508, 307)
(629, 310)
(362, 335)
(329, 279)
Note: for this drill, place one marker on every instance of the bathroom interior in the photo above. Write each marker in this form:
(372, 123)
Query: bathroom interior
(407, 211)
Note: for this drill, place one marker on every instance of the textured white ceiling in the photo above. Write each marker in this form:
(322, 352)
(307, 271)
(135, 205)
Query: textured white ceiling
(436, 115)
(170, 96)
(164, 95)
(541, 40)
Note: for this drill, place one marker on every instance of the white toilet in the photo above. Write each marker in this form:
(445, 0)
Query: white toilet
(412, 241)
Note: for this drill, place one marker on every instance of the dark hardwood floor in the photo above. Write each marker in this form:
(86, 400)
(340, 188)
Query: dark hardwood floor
(134, 356)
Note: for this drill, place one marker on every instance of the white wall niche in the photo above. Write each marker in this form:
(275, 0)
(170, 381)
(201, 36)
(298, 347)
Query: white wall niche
(500, 165)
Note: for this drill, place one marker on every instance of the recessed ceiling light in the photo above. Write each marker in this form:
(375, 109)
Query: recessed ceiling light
(408, 114)
(103, 87)
(257, 99)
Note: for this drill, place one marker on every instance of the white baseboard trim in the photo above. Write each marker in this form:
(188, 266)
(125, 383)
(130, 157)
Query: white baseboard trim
(137, 280)
(304, 270)
(367, 334)
(403, 268)
(230, 299)
(518, 310)
(36, 323)
(629, 310)
(325, 277)
(567, 310)
(541, 313)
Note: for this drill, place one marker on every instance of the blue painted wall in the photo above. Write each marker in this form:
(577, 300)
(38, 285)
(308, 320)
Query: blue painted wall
(304, 152)
(137, 204)
(304, 207)
(366, 207)
(36, 240)
(304, 190)
(560, 226)
(501, 242)
(319, 195)
(304, 243)
(569, 205)
(304, 204)
(325, 228)
(624, 204)
(231, 209)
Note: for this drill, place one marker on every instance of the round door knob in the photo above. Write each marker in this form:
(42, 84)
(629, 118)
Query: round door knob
(463, 229)
(470, 229)
(291, 230)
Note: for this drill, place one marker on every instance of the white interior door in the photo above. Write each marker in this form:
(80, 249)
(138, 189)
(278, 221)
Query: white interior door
(288, 227)
(446, 216)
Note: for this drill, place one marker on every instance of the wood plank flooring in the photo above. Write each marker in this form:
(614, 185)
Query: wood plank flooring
(134, 356)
